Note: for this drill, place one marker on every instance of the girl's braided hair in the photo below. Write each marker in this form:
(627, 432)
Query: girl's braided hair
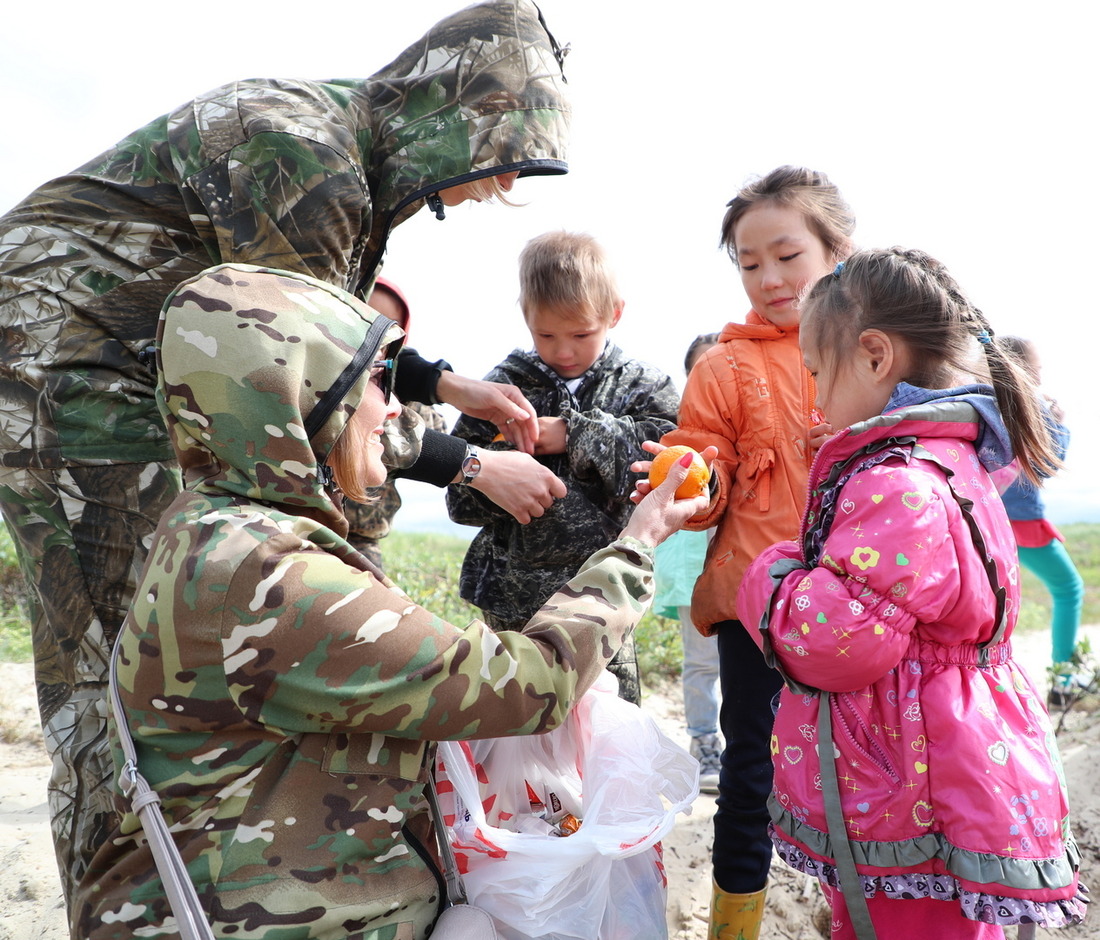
(909, 294)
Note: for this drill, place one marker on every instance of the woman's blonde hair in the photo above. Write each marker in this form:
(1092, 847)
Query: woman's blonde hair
(567, 274)
(346, 460)
(488, 188)
(809, 192)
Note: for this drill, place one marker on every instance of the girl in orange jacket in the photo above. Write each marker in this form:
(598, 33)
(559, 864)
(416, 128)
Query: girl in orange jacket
(752, 398)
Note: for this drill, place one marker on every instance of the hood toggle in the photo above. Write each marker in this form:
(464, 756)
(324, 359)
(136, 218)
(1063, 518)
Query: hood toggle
(435, 204)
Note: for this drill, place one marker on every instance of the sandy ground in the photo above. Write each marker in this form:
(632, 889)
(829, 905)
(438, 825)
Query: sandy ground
(30, 902)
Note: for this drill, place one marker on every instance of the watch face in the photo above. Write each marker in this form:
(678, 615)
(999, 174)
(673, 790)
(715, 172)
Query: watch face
(471, 467)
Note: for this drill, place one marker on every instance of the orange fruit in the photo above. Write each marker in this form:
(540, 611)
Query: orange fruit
(698, 473)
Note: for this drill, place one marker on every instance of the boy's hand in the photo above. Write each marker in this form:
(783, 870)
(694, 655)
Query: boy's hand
(659, 513)
(517, 483)
(553, 436)
(504, 405)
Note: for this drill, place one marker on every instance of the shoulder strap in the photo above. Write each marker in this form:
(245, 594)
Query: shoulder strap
(851, 885)
(456, 891)
(988, 561)
(145, 802)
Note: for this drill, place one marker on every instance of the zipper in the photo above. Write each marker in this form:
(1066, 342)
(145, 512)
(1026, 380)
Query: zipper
(845, 714)
(811, 482)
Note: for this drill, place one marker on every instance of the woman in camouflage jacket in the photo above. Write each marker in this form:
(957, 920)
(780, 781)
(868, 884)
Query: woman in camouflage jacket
(281, 693)
(300, 175)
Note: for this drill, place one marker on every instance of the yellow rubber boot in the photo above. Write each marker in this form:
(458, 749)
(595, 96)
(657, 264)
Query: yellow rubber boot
(736, 916)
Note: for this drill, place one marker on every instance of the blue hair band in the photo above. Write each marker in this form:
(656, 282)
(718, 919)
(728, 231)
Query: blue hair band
(984, 338)
(839, 267)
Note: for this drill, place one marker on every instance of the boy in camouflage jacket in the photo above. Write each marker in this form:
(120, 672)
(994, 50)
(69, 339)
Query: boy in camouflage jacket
(282, 694)
(305, 176)
(595, 408)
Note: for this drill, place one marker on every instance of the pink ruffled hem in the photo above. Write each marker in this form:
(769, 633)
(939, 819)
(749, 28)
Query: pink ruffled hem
(979, 906)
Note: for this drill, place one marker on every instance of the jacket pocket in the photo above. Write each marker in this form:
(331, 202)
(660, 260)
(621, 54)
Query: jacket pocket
(858, 737)
(754, 476)
(374, 755)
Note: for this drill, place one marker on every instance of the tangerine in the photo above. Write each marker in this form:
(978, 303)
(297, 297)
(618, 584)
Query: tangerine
(698, 473)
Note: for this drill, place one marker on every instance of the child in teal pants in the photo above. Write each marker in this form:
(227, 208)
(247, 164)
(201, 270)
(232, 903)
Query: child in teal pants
(1040, 544)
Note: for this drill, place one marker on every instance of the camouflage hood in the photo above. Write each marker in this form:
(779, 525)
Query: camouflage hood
(479, 95)
(259, 371)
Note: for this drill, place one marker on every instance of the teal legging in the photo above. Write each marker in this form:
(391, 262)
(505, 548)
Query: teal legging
(1053, 566)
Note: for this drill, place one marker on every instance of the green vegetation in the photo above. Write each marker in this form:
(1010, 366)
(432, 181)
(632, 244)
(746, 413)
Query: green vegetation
(15, 635)
(426, 567)
(1083, 545)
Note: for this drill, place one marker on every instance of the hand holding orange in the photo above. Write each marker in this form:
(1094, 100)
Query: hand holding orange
(698, 473)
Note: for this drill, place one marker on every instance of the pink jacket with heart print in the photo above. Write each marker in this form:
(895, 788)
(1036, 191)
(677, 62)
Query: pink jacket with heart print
(949, 777)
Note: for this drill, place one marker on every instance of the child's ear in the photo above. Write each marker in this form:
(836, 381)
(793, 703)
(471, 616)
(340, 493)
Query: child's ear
(616, 314)
(878, 352)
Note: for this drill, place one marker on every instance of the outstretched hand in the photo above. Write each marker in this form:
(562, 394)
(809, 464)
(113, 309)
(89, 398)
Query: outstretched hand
(659, 513)
(642, 487)
(504, 405)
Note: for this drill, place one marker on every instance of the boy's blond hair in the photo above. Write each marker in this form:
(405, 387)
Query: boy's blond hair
(568, 274)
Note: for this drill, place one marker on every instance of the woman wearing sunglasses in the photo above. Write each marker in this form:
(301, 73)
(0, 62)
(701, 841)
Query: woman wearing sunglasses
(283, 695)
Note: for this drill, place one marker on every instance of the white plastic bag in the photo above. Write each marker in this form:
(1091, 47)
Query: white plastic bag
(606, 881)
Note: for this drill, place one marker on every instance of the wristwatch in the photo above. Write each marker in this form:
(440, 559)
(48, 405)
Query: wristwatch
(471, 466)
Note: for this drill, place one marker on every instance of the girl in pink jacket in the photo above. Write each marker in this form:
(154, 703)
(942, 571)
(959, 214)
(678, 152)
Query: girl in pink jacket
(916, 771)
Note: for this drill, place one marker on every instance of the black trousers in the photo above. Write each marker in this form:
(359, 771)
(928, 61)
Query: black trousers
(742, 849)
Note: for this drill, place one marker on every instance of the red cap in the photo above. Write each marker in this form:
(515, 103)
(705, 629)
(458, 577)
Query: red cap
(398, 295)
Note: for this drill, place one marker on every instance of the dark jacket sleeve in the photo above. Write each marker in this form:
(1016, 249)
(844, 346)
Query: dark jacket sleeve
(439, 462)
(417, 378)
(602, 445)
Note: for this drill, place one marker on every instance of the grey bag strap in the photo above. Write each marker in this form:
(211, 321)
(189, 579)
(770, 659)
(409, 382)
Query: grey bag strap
(456, 891)
(182, 898)
(462, 920)
(851, 885)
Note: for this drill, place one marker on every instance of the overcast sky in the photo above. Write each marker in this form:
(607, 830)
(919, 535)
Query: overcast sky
(963, 128)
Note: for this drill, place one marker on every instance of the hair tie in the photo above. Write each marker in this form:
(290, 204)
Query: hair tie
(836, 271)
(984, 337)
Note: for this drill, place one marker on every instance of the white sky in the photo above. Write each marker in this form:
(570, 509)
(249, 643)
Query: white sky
(964, 128)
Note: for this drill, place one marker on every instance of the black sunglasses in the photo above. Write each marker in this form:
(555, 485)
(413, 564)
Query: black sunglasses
(384, 373)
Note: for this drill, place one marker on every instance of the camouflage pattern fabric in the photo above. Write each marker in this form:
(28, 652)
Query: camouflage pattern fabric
(307, 176)
(623, 665)
(281, 697)
(510, 569)
(370, 522)
(60, 534)
(303, 176)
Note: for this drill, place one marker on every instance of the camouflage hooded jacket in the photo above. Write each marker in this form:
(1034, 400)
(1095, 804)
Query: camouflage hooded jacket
(511, 569)
(297, 175)
(281, 696)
